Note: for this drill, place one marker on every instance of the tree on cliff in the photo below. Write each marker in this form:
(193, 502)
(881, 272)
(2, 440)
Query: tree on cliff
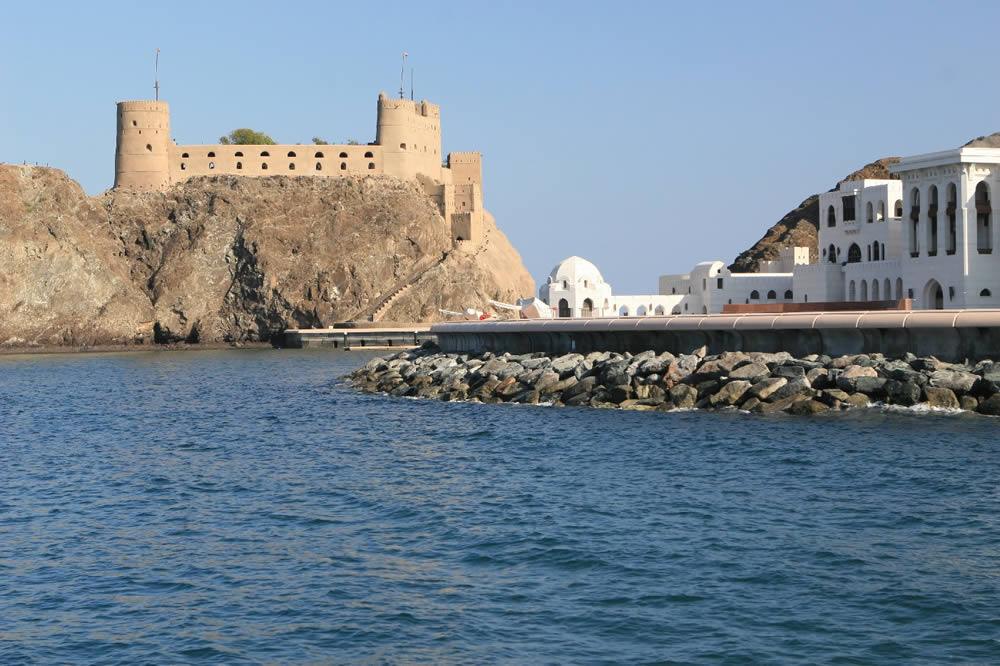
(245, 137)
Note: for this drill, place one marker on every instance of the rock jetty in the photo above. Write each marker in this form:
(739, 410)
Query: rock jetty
(754, 382)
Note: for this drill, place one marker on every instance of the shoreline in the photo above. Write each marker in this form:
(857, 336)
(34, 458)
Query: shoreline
(753, 382)
(104, 349)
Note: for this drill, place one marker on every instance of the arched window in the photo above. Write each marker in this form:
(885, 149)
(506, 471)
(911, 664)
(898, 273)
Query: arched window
(211, 165)
(318, 154)
(869, 213)
(623, 311)
(185, 155)
(264, 166)
(788, 294)
(640, 311)
(149, 147)
(754, 295)
(932, 229)
(239, 165)
(951, 206)
(211, 154)
(832, 254)
(238, 154)
(371, 165)
(875, 254)
(984, 238)
(588, 308)
(852, 292)
(853, 254)
(899, 288)
(985, 293)
(403, 146)
(898, 208)
(291, 153)
(291, 166)
(831, 217)
(887, 289)
(875, 290)
(563, 307)
(772, 295)
(369, 154)
(659, 310)
(264, 153)
(880, 212)
(319, 167)
(343, 155)
(343, 166)
(183, 166)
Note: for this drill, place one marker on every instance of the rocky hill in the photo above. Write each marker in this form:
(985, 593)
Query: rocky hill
(800, 227)
(231, 259)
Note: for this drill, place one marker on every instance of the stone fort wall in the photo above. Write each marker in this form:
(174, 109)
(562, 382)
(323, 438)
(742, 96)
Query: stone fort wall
(407, 145)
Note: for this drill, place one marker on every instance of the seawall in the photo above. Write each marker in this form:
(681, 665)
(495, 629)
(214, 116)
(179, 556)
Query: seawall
(951, 335)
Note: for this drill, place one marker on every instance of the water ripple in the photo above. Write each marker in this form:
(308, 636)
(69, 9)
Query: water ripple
(247, 507)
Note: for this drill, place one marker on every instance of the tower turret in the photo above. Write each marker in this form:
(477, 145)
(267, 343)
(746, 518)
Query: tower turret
(142, 150)
(410, 135)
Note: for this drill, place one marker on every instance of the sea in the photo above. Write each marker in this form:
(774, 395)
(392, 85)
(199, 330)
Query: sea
(249, 507)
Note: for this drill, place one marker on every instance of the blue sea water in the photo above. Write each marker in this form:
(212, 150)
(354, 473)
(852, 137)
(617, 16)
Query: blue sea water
(248, 507)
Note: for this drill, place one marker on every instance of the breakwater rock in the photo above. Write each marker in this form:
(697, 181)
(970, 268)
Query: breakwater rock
(755, 382)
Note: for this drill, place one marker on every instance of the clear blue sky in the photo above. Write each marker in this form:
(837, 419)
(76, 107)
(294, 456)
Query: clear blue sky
(644, 136)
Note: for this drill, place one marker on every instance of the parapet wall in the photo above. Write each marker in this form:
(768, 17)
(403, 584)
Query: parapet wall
(951, 335)
(331, 161)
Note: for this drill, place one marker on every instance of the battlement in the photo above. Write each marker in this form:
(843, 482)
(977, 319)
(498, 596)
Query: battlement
(407, 146)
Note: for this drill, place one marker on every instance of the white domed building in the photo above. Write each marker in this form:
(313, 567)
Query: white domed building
(576, 288)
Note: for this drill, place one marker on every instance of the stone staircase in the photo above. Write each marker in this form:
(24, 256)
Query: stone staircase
(375, 312)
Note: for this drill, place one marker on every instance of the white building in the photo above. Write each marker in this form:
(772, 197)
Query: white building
(929, 236)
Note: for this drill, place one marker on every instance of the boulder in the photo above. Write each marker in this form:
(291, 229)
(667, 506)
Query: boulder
(751, 372)
(968, 403)
(941, 398)
(683, 396)
(806, 407)
(565, 364)
(958, 381)
(794, 388)
(847, 380)
(902, 393)
(621, 393)
(730, 394)
(585, 385)
(765, 387)
(990, 406)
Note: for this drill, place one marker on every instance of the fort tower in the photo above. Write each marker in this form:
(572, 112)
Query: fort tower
(142, 148)
(410, 135)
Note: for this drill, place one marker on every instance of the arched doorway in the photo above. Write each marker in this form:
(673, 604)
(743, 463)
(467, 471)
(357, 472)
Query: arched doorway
(933, 296)
(563, 307)
(588, 308)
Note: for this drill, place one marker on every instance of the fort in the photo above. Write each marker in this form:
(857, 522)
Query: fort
(407, 146)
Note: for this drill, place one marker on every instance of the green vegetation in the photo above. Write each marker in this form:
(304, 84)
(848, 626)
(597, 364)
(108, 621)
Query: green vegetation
(246, 137)
(320, 142)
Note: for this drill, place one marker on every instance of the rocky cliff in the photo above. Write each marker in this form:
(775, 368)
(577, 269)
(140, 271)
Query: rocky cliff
(800, 226)
(232, 259)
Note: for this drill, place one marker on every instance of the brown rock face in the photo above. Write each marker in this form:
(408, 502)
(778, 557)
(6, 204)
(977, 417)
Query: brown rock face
(63, 280)
(232, 259)
(800, 227)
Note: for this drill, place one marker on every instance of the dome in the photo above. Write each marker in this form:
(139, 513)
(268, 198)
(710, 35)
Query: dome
(575, 270)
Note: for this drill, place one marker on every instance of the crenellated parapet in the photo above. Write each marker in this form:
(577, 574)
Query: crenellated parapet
(407, 146)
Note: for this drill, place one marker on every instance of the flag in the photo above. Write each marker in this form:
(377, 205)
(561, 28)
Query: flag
(405, 54)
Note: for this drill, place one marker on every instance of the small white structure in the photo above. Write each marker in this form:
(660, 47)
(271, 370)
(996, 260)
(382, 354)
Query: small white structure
(575, 288)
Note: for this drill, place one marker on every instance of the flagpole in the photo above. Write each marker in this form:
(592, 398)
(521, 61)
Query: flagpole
(402, 70)
(156, 77)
